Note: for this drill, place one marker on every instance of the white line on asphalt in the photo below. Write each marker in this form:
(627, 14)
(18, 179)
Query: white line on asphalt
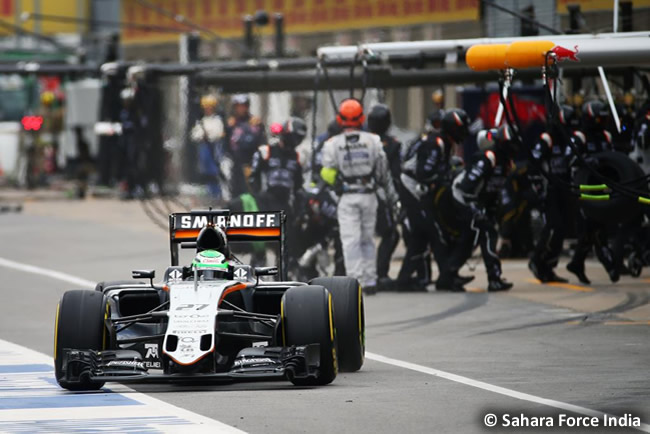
(492, 388)
(47, 272)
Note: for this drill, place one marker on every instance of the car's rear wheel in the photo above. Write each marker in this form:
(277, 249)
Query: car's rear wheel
(349, 319)
(79, 325)
(307, 318)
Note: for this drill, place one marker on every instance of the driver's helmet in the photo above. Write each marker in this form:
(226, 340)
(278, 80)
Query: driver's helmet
(210, 264)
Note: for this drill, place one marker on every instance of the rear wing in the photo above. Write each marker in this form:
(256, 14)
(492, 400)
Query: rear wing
(184, 228)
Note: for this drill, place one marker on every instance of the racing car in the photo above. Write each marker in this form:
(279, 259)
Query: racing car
(214, 319)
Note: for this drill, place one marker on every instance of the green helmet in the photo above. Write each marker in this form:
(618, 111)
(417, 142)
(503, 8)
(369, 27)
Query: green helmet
(210, 260)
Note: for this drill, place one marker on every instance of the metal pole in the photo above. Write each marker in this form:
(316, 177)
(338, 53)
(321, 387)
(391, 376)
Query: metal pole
(507, 74)
(497, 118)
(615, 25)
(444, 46)
(608, 92)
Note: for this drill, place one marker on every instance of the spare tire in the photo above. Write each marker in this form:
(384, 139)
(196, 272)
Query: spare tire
(621, 169)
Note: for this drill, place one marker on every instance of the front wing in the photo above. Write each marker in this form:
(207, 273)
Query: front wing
(125, 366)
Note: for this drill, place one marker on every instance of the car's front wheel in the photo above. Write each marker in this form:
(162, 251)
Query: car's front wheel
(80, 325)
(307, 318)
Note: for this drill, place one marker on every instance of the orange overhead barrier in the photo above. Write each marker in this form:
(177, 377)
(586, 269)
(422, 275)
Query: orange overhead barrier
(527, 54)
(484, 57)
(520, 54)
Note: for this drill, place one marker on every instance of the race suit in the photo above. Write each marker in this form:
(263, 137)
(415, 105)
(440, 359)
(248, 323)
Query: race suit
(475, 192)
(276, 172)
(386, 220)
(641, 140)
(245, 136)
(276, 180)
(591, 234)
(360, 165)
(424, 173)
(552, 155)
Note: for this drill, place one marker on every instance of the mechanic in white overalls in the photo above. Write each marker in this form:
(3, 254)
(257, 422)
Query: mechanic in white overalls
(355, 163)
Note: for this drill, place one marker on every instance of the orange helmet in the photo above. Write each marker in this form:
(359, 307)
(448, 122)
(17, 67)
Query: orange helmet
(350, 114)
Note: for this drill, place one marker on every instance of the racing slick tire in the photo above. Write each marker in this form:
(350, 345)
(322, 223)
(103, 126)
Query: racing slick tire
(79, 324)
(349, 319)
(307, 318)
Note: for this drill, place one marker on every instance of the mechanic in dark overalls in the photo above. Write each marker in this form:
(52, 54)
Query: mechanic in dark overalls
(276, 173)
(379, 121)
(333, 128)
(246, 134)
(593, 139)
(553, 155)
(426, 169)
(476, 194)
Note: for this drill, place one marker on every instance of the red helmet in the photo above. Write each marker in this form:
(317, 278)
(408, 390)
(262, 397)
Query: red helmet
(276, 129)
(350, 114)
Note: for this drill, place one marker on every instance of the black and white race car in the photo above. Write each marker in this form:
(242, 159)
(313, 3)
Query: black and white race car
(212, 320)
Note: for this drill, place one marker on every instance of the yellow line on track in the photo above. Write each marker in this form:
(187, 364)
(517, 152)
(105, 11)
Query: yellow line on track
(563, 285)
(614, 323)
(626, 323)
(473, 289)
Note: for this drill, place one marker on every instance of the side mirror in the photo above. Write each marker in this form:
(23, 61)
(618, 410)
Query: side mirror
(143, 274)
(266, 271)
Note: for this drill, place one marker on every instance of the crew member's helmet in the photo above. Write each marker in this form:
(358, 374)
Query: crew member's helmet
(241, 98)
(568, 117)
(211, 264)
(434, 120)
(294, 131)
(438, 97)
(455, 124)
(379, 119)
(485, 138)
(48, 98)
(350, 114)
(208, 101)
(595, 115)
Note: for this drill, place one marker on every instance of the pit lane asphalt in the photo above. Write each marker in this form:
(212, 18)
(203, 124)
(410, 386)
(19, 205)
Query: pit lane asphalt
(528, 340)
